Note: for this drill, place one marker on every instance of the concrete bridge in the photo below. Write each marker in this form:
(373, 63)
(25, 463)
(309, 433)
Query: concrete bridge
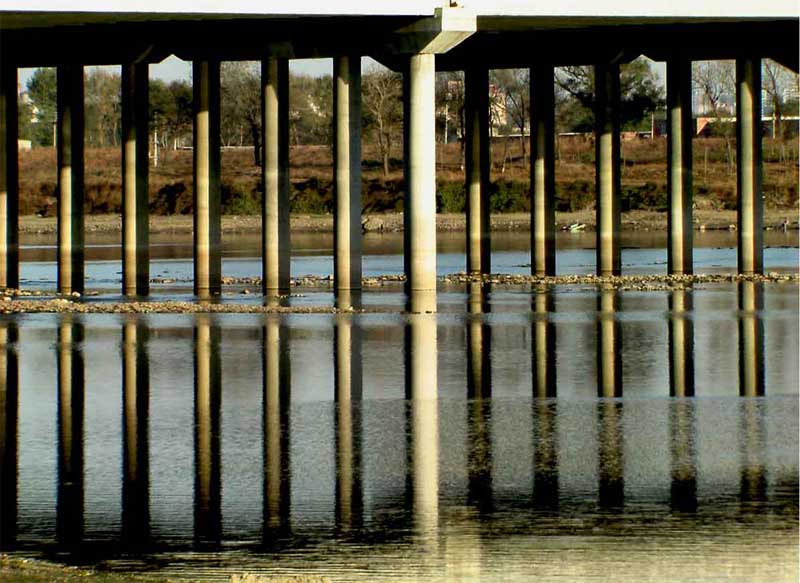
(417, 38)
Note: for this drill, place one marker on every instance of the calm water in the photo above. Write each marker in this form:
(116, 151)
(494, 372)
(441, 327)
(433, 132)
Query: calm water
(574, 435)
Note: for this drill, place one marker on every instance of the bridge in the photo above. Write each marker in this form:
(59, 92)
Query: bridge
(416, 38)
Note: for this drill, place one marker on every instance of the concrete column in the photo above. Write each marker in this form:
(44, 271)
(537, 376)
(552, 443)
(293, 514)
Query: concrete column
(207, 209)
(9, 178)
(545, 456)
(479, 345)
(275, 252)
(679, 165)
(420, 213)
(135, 199)
(683, 454)
(276, 427)
(347, 170)
(207, 438)
(607, 168)
(543, 345)
(543, 171)
(477, 152)
(9, 440)
(348, 389)
(751, 339)
(609, 345)
(681, 344)
(748, 166)
(69, 514)
(135, 422)
(69, 146)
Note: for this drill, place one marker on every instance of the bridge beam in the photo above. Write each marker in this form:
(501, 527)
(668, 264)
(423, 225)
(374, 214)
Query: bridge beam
(607, 168)
(477, 149)
(347, 170)
(9, 178)
(69, 146)
(207, 227)
(748, 167)
(275, 253)
(135, 211)
(679, 160)
(543, 171)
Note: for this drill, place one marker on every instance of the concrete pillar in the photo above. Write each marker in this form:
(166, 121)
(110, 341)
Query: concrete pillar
(751, 339)
(611, 460)
(545, 456)
(422, 390)
(683, 454)
(479, 345)
(543, 171)
(347, 170)
(276, 427)
(275, 252)
(607, 168)
(420, 212)
(748, 166)
(680, 129)
(348, 391)
(135, 199)
(681, 344)
(207, 438)
(69, 514)
(9, 178)
(609, 345)
(477, 152)
(207, 209)
(543, 345)
(9, 439)
(135, 446)
(69, 146)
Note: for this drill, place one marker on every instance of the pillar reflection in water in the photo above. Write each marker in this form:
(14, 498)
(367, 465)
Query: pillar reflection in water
(610, 455)
(9, 411)
(751, 339)
(683, 453)
(135, 422)
(545, 455)
(276, 427)
(609, 345)
(348, 389)
(543, 345)
(479, 390)
(753, 432)
(681, 344)
(69, 515)
(207, 404)
(421, 360)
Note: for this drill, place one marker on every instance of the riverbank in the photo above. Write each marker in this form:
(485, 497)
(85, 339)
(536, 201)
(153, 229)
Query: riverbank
(393, 222)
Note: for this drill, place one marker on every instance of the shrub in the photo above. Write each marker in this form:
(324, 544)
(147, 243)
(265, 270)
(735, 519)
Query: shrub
(451, 198)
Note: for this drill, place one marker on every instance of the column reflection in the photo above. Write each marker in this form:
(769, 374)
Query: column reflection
(610, 455)
(69, 515)
(681, 344)
(207, 405)
(276, 428)
(479, 344)
(135, 423)
(753, 431)
(751, 339)
(609, 345)
(543, 345)
(683, 455)
(421, 359)
(348, 389)
(9, 441)
(545, 455)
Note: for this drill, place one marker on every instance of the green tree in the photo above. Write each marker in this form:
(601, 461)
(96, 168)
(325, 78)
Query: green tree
(241, 105)
(42, 90)
(103, 108)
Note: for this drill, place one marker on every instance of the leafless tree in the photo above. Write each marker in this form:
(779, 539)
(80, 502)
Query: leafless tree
(383, 109)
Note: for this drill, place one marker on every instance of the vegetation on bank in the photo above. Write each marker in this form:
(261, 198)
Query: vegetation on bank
(644, 179)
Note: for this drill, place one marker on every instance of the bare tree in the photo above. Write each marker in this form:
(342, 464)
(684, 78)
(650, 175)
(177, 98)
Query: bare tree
(383, 109)
(715, 81)
(777, 81)
(514, 86)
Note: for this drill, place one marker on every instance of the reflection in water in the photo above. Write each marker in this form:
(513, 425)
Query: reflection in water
(609, 345)
(207, 405)
(610, 456)
(683, 450)
(348, 389)
(479, 344)
(545, 455)
(751, 339)
(543, 345)
(69, 516)
(421, 359)
(753, 432)
(135, 422)
(276, 374)
(9, 406)
(681, 344)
